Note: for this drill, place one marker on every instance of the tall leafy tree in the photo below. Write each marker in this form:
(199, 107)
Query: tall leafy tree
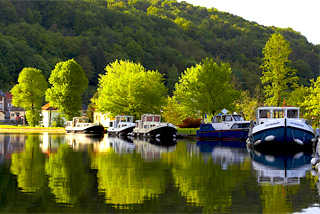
(277, 75)
(312, 102)
(248, 103)
(68, 82)
(29, 93)
(206, 88)
(128, 88)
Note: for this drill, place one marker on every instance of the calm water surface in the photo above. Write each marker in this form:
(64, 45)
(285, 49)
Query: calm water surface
(58, 173)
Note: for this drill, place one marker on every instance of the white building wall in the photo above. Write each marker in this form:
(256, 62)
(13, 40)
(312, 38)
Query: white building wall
(103, 119)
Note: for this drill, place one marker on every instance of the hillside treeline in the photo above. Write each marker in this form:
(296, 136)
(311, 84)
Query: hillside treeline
(162, 35)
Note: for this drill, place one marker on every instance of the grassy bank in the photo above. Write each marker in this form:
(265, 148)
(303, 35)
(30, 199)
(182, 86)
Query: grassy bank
(11, 128)
(187, 131)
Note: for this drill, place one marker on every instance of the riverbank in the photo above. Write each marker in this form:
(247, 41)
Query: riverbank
(187, 132)
(9, 128)
(181, 132)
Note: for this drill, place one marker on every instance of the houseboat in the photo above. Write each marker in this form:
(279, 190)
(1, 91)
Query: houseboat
(224, 127)
(280, 128)
(81, 125)
(121, 125)
(150, 126)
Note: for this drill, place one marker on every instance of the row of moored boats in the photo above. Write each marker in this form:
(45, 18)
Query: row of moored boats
(275, 127)
(149, 126)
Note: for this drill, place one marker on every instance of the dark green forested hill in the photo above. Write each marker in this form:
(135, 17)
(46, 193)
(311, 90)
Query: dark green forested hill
(163, 35)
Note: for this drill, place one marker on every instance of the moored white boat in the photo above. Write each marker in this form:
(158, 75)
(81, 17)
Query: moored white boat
(121, 125)
(151, 126)
(224, 127)
(81, 125)
(280, 128)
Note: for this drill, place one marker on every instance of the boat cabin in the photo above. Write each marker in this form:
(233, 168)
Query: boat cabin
(229, 121)
(121, 121)
(264, 113)
(227, 118)
(79, 122)
(148, 121)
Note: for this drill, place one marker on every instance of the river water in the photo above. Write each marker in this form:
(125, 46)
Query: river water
(59, 173)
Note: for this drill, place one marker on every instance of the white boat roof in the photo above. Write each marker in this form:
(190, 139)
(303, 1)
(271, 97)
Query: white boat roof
(273, 107)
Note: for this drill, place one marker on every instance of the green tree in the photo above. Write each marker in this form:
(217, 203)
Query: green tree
(247, 104)
(277, 76)
(128, 88)
(68, 82)
(29, 93)
(206, 88)
(297, 98)
(172, 112)
(312, 102)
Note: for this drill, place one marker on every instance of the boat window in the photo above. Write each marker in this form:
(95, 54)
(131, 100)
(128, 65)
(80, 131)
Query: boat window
(149, 118)
(111, 124)
(278, 113)
(237, 118)
(123, 119)
(265, 114)
(217, 119)
(292, 113)
(226, 118)
(240, 125)
(235, 126)
(156, 119)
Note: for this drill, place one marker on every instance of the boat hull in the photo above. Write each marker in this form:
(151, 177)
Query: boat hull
(207, 132)
(282, 135)
(92, 130)
(121, 132)
(163, 132)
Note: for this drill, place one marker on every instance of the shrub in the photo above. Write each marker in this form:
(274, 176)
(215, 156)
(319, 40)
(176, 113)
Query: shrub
(58, 121)
(190, 122)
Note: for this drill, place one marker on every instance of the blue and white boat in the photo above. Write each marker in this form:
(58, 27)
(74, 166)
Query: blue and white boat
(224, 127)
(280, 128)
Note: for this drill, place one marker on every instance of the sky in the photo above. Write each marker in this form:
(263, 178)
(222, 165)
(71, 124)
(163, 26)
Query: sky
(301, 16)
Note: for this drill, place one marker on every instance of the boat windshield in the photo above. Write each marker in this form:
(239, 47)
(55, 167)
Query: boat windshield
(265, 114)
(278, 113)
(81, 120)
(216, 119)
(292, 113)
(238, 118)
(227, 118)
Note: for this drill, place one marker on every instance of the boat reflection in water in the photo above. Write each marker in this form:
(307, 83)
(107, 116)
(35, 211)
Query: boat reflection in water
(118, 144)
(151, 149)
(224, 152)
(286, 169)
